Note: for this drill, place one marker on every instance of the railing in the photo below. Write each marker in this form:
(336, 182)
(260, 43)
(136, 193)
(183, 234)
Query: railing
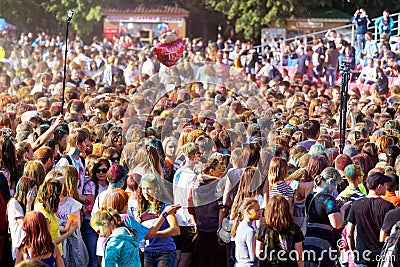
(374, 29)
(348, 31)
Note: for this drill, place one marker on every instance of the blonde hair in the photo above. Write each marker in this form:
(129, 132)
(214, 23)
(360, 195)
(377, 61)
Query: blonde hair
(70, 188)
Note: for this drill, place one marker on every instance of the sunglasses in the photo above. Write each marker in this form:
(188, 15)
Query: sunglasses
(101, 170)
(115, 138)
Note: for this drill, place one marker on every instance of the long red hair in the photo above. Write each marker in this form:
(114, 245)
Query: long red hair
(38, 237)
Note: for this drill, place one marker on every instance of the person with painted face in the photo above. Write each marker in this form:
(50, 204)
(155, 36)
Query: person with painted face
(325, 217)
(244, 233)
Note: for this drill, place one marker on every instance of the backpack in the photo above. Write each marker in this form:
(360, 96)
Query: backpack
(68, 157)
(390, 252)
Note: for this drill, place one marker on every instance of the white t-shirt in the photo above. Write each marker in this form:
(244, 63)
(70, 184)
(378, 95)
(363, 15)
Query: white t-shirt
(148, 68)
(15, 210)
(133, 208)
(183, 183)
(97, 205)
(79, 166)
(64, 210)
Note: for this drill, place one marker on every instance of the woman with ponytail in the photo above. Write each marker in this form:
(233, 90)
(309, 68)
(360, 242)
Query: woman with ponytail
(244, 233)
(325, 217)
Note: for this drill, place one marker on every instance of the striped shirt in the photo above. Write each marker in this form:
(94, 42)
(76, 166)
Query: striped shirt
(282, 189)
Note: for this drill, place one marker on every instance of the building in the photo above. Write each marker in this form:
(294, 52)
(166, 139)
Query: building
(144, 22)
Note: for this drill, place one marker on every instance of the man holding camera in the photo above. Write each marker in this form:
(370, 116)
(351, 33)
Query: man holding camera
(361, 19)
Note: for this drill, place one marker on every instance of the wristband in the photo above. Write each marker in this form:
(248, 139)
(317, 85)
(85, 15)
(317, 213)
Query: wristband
(164, 214)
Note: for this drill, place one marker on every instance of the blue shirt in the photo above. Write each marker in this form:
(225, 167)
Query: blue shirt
(384, 25)
(370, 49)
(159, 244)
(133, 224)
(362, 24)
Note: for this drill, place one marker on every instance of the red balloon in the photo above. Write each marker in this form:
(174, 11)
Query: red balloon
(169, 53)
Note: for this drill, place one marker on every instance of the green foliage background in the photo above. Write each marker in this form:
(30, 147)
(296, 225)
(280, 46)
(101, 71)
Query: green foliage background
(242, 18)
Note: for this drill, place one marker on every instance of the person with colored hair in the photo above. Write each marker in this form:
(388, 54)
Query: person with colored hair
(38, 243)
(116, 177)
(121, 247)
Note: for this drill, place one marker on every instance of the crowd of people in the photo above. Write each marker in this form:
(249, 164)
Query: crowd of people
(224, 159)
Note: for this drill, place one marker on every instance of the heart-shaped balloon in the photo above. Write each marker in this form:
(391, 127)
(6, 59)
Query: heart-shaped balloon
(169, 53)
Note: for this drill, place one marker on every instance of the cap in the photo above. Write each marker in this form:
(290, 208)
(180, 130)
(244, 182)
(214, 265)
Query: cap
(376, 179)
(26, 116)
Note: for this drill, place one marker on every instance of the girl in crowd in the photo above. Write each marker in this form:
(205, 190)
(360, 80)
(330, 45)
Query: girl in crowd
(206, 207)
(118, 200)
(38, 244)
(121, 248)
(74, 252)
(69, 203)
(325, 217)
(91, 189)
(35, 169)
(18, 207)
(162, 247)
(47, 202)
(9, 162)
(251, 185)
(244, 233)
(279, 236)
(276, 177)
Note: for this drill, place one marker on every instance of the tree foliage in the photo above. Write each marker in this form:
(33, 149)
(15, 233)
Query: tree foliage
(246, 17)
(87, 13)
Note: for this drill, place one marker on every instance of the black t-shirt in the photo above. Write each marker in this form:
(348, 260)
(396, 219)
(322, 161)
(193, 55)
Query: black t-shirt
(368, 214)
(278, 242)
(302, 68)
(319, 208)
(391, 218)
(251, 58)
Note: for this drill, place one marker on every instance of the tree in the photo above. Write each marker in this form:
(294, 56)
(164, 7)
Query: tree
(86, 13)
(252, 15)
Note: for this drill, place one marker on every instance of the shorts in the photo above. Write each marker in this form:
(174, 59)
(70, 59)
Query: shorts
(250, 70)
(186, 241)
